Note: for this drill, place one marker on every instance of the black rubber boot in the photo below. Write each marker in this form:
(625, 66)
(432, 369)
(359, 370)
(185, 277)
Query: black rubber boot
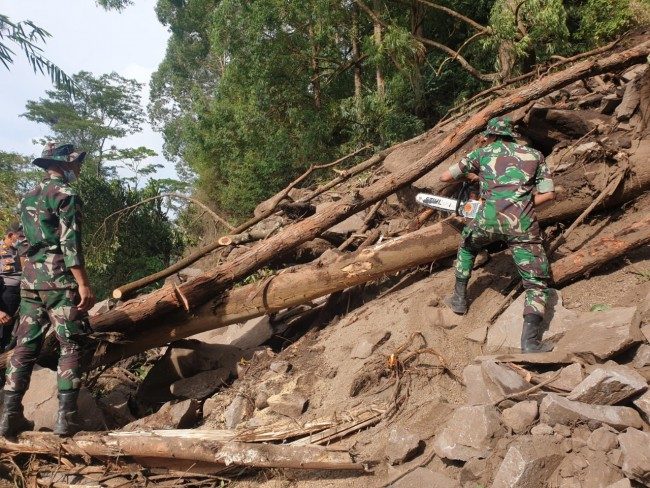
(67, 422)
(458, 301)
(12, 421)
(531, 335)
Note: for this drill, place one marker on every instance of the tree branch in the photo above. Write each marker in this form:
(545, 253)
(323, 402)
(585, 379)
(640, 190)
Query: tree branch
(453, 13)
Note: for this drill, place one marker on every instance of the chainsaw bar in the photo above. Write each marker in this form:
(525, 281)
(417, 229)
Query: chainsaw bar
(468, 210)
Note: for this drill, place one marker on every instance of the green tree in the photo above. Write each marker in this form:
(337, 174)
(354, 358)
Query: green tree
(104, 108)
(17, 176)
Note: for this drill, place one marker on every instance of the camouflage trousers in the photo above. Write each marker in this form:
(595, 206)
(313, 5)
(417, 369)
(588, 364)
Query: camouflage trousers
(527, 253)
(38, 310)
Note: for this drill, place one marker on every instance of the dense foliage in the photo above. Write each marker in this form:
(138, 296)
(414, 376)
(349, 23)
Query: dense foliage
(251, 92)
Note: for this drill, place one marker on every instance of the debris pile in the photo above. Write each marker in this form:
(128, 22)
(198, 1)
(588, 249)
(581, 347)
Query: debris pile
(350, 371)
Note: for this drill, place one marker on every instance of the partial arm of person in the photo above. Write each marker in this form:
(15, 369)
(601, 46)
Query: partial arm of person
(5, 318)
(466, 168)
(544, 187)
(70, 226)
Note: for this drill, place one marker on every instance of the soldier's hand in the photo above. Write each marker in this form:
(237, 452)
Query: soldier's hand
(87, 298)
(5, 318)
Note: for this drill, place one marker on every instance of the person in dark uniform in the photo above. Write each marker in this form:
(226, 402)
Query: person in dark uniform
(10, 273)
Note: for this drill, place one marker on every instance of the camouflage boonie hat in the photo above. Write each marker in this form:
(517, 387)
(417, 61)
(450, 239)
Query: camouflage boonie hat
(58, 153)
(499, 127)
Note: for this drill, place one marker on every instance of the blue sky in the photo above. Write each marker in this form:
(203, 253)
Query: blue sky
(84, 37)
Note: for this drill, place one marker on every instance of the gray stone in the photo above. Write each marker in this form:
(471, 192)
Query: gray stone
(505, 379)
(506, 331)
(559, 410)
(179, 415)
(602, 439)
(280, 367)
(642, 356)
(629, 103)
(41, 403)
(562, 430)
(477, 388)
(602, 334)
(238, 410)
(520, 416)
(609, 103)
(643, 405)
(615, 456)
(599, 473)
(635, 450)
(345, 227)
(247, 335)
(367, 344)
(288, 404)
(425, 478)
(402, 445)
(261, 400)
(529, 463)
(570, 377)
(645, 330)
(200, 385)
(469, 433)
(609, 384)
(542, 429)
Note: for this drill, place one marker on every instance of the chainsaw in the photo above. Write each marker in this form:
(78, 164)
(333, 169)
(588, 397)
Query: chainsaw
(462, 206)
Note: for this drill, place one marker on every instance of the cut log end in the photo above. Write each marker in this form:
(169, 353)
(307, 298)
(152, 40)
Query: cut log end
(225, 241)
(117, 293)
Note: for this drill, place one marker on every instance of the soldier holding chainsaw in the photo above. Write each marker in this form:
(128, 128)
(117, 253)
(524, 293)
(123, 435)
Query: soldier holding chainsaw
(513, 180)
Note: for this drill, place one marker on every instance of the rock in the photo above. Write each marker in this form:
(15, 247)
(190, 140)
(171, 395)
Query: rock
(602, 439)
(200, 385)
(425, 478)
(542, 429)
(562, 430)
(505, 379)
(477, 388)
(367, 343)
(609, 384)
(238, 410)
(288, 404)
(346, 227)
(609, 103)
(261, 400)
(397, 226)
(248, 335)
(478, 335)
(446, 319)
(635, 72)
(473, 471)
(281, 367)
(41, 403)
(615, 456)
(506, 331)
(469, 433)
(642, 356)
(180, 415)
(116, 407)
(602, 334)
(185, 359)
(521, 416)
(646, 332)
(599, 473)
(402, 445)
(570, 377)
(529, 463)
(624, 483)
(629, 103)
(558, 410)
(101, 307)
(643, 405)
(635, 451)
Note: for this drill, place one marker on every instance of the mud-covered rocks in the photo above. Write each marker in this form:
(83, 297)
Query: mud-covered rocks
(469, 433)
(288, 404)
(172, 415)
(602, 439)
(635, 451)
(609, 384)
(402, 445)
(529, 462)
(556, 409)
(520, 416)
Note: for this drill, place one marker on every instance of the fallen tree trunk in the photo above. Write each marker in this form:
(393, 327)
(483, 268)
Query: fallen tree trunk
(299, 285)
(150, 310)
(195, 446)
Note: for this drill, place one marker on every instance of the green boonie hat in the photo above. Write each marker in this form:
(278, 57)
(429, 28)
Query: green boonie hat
(58, 153)
(499, 127)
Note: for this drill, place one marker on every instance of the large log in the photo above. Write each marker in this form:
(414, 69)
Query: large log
(152, 309)
(192, 446)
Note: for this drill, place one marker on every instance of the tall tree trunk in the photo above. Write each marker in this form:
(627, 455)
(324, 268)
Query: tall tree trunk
(377, 29)
(356, 56)
(315, 68)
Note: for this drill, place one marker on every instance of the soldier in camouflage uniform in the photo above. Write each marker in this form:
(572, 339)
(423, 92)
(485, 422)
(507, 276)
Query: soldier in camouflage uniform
(513, 179)
(54, 289)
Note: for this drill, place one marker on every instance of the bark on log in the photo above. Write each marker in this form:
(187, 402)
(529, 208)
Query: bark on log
(197, 447)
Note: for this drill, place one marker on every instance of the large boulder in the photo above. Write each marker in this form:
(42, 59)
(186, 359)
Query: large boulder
(469, 433)
(609, 384)
(529, 463)
(635, 449)
(178, 415)
(556, 409)
(247, 335)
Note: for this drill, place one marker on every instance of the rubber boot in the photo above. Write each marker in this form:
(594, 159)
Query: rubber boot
(67, 422)
(458, 301)
(531, 335)
(12, 421)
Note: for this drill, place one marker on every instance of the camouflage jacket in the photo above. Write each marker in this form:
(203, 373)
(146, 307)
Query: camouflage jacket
(10, 268)
(51, 217)
(508, 173)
